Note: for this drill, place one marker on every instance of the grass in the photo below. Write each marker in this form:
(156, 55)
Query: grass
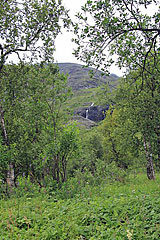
(111, 211)
(83, 98)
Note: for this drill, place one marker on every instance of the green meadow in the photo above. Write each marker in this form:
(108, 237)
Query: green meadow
(116, 210)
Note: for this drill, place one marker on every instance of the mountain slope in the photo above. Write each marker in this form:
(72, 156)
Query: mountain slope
(85, 93)
(79, 78)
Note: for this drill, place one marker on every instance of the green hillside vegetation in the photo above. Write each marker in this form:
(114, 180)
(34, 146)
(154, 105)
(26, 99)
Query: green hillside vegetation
(85, 86)
(77, 183)
(111, 211)
(63, 176)
(62, 181)
(83, 98)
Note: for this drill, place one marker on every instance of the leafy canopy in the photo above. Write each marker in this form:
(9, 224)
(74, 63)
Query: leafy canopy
(119, 27)
(30, 26)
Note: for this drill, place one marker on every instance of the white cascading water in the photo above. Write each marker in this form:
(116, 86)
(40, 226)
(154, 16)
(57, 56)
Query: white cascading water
(88, 110)
(92, 104)
(87, 114)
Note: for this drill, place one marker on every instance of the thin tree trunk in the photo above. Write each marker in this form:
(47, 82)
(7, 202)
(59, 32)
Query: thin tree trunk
(113, 148)
(64, 166)
(10, 172)
(150, 168)
(3, 127)
(55, 169)
(10, 176)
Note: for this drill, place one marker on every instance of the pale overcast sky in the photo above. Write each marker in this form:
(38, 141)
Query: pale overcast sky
(64, 46)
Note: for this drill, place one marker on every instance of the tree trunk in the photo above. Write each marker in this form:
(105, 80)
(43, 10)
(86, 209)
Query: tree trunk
(10, 172)
(55, 169)
(10, 176)
(150, 168)
(5, 137)
(64, 167)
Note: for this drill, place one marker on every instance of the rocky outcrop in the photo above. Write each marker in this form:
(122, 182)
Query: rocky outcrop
(80, 112)
(94, 113)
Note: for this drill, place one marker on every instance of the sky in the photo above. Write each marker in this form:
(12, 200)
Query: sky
(64, 45)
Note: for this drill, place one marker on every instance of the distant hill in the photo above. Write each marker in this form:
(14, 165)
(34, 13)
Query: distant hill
(86, 90)
(79, 77)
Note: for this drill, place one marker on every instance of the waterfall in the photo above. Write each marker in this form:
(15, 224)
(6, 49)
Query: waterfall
(87, 114)
(88, 110)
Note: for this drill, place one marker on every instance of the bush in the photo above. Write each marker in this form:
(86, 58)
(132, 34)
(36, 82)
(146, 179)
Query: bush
(109, 172)
(25, 187)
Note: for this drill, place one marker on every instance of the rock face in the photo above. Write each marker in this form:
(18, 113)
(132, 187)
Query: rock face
(94, 113)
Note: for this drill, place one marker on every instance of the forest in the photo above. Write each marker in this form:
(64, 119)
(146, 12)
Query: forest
(59, 179)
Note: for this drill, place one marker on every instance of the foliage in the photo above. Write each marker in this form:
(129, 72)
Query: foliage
(30, 27)
(32, 91)
(60, 151)
(143, 111)
(31, 99)
(114, 211)
(121, 142)
(131, 128)
(70, 183)
(90, 151)
(120, 28)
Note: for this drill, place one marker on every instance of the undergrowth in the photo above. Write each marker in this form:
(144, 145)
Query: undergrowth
(110, 211)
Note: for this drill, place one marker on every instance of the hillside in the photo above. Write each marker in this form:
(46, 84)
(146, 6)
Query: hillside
(79, 78)
(85, 92)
